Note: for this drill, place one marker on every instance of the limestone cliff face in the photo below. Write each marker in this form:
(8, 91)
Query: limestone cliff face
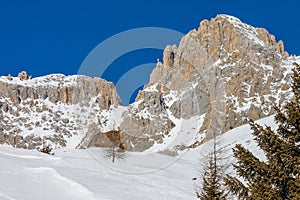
(59, 88)
(225, 70)
(146, 121)
(51, 109)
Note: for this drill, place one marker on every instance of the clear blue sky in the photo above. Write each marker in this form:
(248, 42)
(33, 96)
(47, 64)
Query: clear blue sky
(55, 36)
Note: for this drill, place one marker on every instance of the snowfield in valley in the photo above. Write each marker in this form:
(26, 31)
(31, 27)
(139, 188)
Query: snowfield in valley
(90, 174)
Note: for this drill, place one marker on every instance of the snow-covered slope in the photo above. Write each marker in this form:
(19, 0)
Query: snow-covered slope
(89, 174)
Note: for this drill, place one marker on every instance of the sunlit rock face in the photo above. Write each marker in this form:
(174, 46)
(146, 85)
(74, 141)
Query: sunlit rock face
(226, 70)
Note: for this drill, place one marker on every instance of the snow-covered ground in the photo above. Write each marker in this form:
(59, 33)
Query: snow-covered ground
(90, 174)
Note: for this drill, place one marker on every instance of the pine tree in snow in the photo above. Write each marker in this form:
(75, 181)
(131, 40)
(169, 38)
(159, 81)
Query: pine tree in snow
(212, 177)
(278, 177)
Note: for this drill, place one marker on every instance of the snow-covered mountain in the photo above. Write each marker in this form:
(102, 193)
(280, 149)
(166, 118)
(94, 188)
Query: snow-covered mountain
(55, 109)
(219, 75)
(87, 174)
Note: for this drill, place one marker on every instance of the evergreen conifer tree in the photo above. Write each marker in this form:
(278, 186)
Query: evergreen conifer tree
(213, 187)
(279, 176)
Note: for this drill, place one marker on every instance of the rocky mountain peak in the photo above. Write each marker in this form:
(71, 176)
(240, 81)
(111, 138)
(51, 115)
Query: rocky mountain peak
(224, 38)
(233, 35)
(225, 70)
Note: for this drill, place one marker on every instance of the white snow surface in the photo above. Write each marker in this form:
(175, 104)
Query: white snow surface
(53, 79)
(87, 174)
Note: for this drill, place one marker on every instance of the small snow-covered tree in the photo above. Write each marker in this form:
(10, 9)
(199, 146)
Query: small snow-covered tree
(114, 153)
